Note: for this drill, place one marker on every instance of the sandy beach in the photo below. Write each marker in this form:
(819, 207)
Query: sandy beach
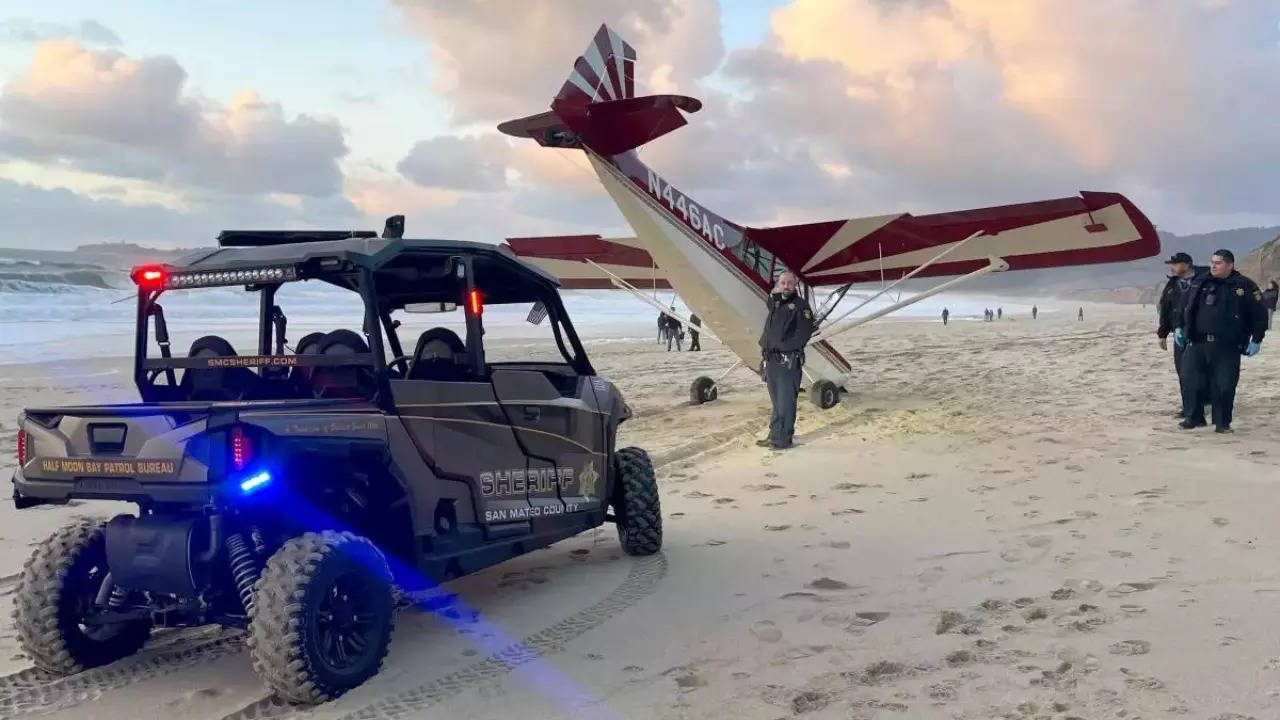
(1001, 520)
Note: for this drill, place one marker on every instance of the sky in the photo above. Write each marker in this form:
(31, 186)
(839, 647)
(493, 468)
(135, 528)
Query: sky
(158, 124)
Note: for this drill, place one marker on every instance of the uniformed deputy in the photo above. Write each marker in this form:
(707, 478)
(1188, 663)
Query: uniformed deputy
(1169, 309)
(786, 332)
(1223, 318)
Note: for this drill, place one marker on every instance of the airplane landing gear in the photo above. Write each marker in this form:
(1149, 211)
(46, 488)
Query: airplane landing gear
(703, 390)
(824, 394)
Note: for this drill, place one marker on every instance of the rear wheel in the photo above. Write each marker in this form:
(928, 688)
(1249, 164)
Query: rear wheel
(55, 596)
(635, 503)
(703, 390)
(824, 394)
(323, 620)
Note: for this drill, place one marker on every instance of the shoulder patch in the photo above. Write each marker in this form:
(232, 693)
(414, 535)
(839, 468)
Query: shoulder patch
(1257, 295)
(808, 315)
(791, 306)
(1240, 291)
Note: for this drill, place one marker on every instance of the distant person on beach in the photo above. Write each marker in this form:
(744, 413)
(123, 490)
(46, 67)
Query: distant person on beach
(694, 322)
(1269, 297)
(999, 313)
(674, 331)
(662, 326)
(946, 315)
(1034, 312)
(1080, 315)
(1169, 310)
(1223, 318)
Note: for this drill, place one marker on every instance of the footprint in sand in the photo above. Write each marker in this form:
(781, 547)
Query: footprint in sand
(1130, 647)
(695, 494)
(1039, 541)
(776, 528)
(826, 583)
(723, 500)
(762, 487)
(766, 631)
(837, 544)
(1221, 521)
(1120, 553)
(1131, 587)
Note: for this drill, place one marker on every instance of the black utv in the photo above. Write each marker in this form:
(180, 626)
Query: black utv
(296, 490)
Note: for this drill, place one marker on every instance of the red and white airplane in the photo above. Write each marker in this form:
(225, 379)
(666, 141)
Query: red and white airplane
(724, 271)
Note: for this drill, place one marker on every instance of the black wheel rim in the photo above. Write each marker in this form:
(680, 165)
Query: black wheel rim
(346, 620)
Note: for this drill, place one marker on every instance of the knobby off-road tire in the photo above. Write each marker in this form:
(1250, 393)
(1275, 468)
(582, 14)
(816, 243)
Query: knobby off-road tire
(635, 504)
(319, 592)
(57, 588)
(825, 394)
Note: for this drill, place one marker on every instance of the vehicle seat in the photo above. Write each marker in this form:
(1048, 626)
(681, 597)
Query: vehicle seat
(341, 380)
(435, 357)
(215, 384)
(300, 377)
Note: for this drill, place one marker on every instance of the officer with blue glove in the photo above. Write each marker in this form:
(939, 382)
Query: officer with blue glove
(1223, 318)
(1169, 310)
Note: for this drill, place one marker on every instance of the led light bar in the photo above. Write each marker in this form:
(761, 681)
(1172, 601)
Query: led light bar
(231, 277)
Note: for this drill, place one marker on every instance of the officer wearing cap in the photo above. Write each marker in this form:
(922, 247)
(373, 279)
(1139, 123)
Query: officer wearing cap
(1223, 318)
(1169, 307)
(786, 332)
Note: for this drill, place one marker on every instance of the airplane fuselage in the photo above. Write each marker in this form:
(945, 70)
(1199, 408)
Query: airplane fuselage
(695, 248)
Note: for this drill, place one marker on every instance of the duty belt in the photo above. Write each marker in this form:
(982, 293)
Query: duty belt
(1205, 338)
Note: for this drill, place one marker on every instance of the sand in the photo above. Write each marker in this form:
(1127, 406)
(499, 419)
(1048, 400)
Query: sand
(1000, 521)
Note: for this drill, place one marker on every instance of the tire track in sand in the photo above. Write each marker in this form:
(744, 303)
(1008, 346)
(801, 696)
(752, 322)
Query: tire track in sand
(35, 692)
(641, 581)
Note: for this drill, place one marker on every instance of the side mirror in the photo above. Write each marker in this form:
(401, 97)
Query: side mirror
(435, 307)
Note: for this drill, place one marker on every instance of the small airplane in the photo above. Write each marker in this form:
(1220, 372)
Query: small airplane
(724, 271)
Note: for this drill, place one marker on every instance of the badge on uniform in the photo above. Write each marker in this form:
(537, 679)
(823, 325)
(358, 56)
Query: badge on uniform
(1257, 295)
(808, 315)
(1240, 291)
(791, 306)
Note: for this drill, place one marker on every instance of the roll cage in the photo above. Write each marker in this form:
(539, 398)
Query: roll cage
(388, 274)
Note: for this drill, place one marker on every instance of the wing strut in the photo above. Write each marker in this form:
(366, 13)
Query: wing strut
(908, 276)
(994, 264)
(621, 284)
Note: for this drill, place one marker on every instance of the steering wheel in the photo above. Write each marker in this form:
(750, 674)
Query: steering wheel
(403, 362)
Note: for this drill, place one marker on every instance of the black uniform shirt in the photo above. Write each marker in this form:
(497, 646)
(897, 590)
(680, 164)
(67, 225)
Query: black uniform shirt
(789, 325)
(1230, 309)
(1171, 301)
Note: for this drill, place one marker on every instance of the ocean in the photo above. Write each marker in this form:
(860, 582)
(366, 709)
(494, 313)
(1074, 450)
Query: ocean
(61, 311)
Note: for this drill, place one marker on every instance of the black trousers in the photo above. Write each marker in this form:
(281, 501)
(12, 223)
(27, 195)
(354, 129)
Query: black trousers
(1178, 353)
(1211, 371)
(693, 340)
(784, 385)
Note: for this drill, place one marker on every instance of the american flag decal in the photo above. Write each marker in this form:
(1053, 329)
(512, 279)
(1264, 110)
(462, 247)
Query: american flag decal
(537, 314)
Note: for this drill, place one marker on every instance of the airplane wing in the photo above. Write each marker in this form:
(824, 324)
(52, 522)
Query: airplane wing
(1093, 227)
(564, 256)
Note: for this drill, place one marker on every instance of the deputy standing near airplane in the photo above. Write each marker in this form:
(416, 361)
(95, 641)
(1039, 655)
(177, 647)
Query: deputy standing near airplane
(786, 332)
(1223, 318)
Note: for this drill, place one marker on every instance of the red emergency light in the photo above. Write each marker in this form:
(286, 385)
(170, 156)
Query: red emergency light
(475, 302)
(151, 277)
(241, 448)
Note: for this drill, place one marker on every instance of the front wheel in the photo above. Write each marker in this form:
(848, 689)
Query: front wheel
(703, 390)
(55, 601)
(323, 620)
(635, 503)
(824, 394)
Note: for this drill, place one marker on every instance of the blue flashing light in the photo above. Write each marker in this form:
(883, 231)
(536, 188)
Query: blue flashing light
(255, 482)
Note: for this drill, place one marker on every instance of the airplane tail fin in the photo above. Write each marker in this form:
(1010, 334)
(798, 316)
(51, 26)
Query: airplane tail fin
(597, 108)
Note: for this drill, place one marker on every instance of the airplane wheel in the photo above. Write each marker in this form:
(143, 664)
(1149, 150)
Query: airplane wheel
(824, 394)
(703, 390)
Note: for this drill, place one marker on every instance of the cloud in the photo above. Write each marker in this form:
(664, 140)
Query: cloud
(26, 30)
(105, 112)
(60, 219)
(992, 102)
(458, 163)
(501, 60)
